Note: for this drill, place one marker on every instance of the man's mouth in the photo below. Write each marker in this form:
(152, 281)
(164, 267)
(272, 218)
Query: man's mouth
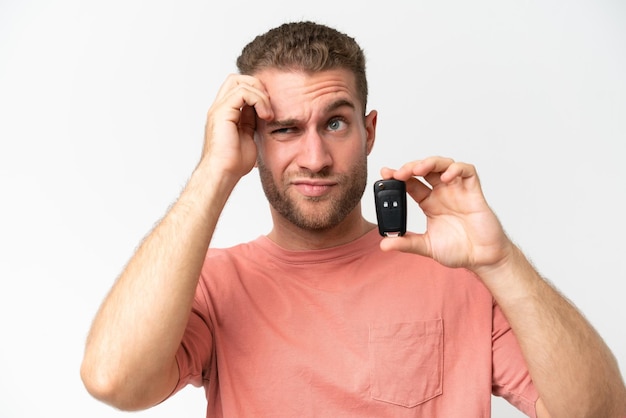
(313, 188)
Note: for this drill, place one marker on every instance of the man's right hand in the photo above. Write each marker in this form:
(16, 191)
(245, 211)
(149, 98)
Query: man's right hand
(229, 146)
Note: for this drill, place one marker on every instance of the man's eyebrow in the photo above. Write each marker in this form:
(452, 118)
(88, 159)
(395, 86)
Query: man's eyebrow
(287, 123)
(338, 104)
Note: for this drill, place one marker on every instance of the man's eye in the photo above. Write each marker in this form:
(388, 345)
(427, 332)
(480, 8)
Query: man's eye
(282, 131)
(336, 124)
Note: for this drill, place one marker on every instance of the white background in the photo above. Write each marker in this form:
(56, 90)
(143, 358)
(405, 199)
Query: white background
(102, 107)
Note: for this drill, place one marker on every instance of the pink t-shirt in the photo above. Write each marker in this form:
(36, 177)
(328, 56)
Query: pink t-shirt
(347, 332)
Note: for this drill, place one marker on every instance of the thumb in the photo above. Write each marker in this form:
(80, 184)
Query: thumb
(409, 243)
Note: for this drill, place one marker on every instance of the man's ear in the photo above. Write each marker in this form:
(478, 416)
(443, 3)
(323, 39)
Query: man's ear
(370, 129)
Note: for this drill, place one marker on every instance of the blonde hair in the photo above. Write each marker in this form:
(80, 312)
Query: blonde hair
(305, 46)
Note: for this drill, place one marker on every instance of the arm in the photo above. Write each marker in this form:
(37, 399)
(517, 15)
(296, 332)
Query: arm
(129, 360)
(573, 370)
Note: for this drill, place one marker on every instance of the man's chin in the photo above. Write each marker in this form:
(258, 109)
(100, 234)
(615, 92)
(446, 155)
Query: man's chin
(320, 217)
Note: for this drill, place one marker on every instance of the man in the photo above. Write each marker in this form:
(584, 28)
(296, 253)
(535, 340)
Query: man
(323, 317)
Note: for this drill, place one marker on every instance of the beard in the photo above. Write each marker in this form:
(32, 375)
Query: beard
(316, 213)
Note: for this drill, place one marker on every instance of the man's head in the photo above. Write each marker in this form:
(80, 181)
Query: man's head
(307, 47)
(312, 155)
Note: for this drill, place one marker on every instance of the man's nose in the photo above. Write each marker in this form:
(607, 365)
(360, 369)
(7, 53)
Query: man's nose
(314, 153)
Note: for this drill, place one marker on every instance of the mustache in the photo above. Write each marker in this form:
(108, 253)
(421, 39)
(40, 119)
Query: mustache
(325, 173)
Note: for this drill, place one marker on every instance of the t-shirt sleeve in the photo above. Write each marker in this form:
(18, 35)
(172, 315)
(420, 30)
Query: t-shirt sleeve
(196, 348)
(511, 379)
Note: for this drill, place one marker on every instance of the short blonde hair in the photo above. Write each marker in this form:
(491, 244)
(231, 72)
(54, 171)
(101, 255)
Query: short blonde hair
(305, 46)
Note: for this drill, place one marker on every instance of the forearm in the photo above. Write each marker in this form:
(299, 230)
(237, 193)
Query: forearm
(573, 370)
(130, 353)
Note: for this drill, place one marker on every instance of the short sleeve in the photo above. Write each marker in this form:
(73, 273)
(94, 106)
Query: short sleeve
(196, 348)
(510, 379)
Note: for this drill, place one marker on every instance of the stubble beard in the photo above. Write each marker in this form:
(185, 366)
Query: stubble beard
(329, 211)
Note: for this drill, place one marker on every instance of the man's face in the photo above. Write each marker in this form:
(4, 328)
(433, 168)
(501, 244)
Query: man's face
(312, 157)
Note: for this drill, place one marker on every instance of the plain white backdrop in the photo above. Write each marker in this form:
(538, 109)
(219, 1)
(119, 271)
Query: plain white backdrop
(102, 108)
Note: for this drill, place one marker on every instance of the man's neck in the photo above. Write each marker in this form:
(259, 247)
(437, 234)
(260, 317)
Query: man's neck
(291, 237)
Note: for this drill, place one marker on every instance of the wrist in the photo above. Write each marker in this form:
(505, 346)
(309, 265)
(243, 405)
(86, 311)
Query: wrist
(207, 191)
(211, 178)
(512, 278)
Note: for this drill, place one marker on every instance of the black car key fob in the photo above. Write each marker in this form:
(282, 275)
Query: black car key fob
(390, 199)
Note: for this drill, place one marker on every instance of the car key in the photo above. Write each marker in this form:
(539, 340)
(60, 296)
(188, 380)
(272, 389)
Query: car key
(390, 199)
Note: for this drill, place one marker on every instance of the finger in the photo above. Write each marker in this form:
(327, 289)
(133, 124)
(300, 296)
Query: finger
(403, 173)
(234, 80)
(247, 122)
(437, 170)
(417, 189)
(429, 168)
(387, 173)
(458, 170)
(410, 243)
(433, 179)
(431, 165)
(244, 95)
(240, 90)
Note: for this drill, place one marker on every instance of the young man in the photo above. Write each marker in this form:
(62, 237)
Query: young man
(323, 317)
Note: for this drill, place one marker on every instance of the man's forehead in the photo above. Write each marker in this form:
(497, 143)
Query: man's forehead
(294, 93)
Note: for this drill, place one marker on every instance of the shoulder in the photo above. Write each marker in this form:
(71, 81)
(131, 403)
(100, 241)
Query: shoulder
(251, 249)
